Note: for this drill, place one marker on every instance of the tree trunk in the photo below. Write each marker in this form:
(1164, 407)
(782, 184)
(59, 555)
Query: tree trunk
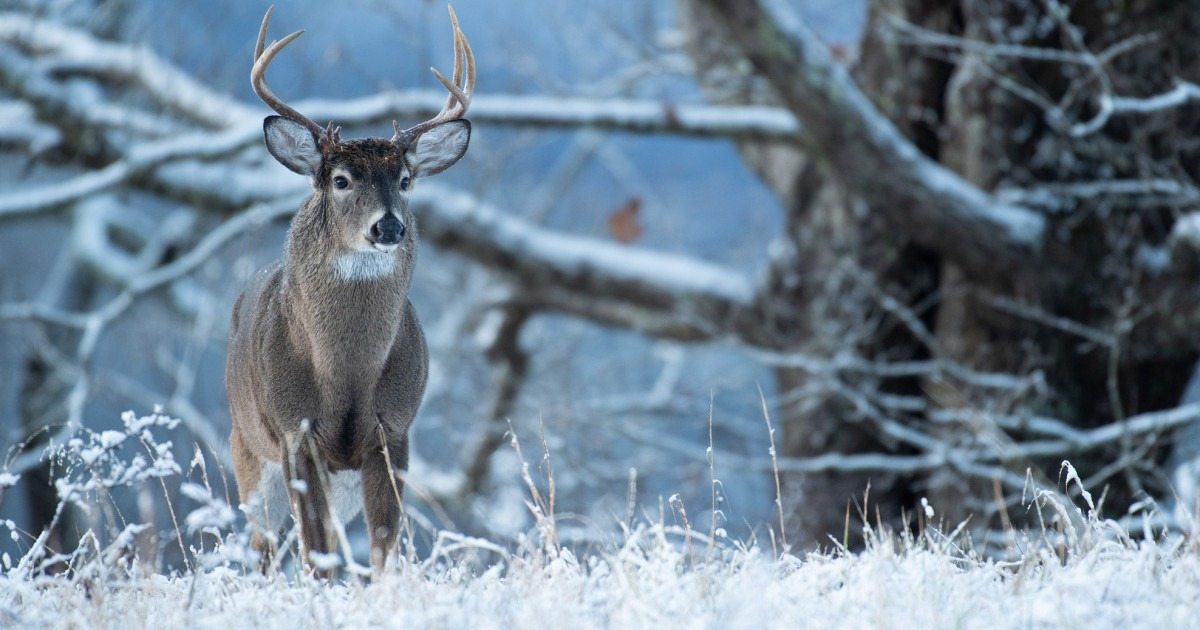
(826, 248)
(1076, 317)
(996, 138)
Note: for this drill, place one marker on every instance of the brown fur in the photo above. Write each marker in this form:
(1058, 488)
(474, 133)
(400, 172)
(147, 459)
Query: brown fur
(348, 356)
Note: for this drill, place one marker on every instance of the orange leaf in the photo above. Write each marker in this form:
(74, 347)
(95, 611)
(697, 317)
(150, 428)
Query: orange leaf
(623, 223)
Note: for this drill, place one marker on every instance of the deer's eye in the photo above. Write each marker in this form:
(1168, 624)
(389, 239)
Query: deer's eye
(404, 183)
(341, 183)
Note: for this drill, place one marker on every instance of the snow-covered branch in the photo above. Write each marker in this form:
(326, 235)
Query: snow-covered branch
(1108, 104)
(922, 199)
(1149, 422)
(909, 33)
(664, 295)
(69, 51)
(19, 126)
(1057, 196)
(60, 47)
(139, 160)
(1111, 105)
(637, 116)
(94, 323)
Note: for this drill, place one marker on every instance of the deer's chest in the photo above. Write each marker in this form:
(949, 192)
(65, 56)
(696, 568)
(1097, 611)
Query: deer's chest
(350, 351)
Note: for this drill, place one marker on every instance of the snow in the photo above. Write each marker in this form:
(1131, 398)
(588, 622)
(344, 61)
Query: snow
(325, 561)
(1186, 232)
(19, 124)
(212, 515)
(1019, 224)
(139, 159)
(1076, 570)
(632, 114)
(646, 579)
(648, 582)
(109, 439)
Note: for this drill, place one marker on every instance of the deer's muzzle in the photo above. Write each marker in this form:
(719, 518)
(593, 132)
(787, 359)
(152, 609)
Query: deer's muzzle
(388, 230)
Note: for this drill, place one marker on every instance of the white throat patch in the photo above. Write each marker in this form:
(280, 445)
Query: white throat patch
(367, 265)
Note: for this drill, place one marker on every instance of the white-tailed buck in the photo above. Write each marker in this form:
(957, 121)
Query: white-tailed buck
(327, 362)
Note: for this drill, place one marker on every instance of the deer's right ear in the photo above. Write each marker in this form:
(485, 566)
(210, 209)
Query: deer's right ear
(293, 145)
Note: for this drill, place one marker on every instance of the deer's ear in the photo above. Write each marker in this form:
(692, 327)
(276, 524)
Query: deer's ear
(293, 145)
(439, 148)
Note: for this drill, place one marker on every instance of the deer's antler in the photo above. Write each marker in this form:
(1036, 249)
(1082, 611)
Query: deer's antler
(262, 59)
(460, 88)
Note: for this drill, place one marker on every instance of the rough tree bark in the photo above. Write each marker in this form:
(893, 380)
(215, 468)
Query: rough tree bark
(823, 236)
(995, 138)
(1017, 291)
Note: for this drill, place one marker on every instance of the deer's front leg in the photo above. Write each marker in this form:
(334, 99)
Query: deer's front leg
(310, 505)
(383, 487)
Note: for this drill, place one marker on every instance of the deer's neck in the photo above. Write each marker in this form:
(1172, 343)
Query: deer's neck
(346, 308)
(363, 266)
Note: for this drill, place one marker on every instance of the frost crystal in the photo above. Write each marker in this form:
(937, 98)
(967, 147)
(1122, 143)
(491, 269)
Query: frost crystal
(109, 439)
(213, 514)
(324, 561)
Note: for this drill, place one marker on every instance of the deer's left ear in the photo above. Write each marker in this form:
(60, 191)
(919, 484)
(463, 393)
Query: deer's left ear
(439, 148)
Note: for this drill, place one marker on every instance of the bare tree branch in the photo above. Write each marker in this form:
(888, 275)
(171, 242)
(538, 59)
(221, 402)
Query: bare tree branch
(907, 32)
(509, 365)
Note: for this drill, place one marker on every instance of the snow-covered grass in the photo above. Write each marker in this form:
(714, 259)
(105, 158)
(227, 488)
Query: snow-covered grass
(1076, 570)
(648, 582)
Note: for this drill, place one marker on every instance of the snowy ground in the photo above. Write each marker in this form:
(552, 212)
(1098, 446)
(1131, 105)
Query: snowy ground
(1075, 570)
(647, 583)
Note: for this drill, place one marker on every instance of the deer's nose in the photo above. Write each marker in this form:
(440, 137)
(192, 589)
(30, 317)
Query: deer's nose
(388, 230)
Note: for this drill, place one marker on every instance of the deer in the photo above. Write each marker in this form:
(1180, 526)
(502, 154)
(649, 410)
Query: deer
(327, 362)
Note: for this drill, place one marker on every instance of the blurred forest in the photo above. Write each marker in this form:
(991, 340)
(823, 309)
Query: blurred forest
(872, 253)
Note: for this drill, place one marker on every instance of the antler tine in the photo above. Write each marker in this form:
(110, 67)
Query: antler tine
(463, 56)
(262, 59)
(453, 97)
(460, 89)
(456, 97)
(469, 56)
(262, 32)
